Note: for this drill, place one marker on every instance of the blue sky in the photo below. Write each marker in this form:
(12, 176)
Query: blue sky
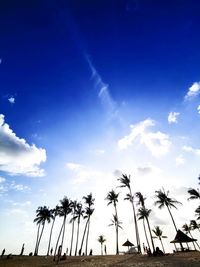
(91, 87)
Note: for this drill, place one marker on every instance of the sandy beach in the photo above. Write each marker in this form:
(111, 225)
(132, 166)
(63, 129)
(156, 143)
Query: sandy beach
(189, 259)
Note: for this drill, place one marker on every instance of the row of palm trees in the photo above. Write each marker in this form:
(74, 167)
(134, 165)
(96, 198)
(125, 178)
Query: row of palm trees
(143, 213)
(77, 212)
(64, 209)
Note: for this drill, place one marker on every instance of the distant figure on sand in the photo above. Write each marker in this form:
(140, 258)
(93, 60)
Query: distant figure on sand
(105, 250)
(22, 250)
(59, 253)
(51, 251)
(79, 252)
(158, 252)
(3, 252)
(90, 252)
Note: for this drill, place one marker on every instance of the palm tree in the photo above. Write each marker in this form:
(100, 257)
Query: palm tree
(101, 240)
(42, 215)
(143, 213)
(115, 221)
(194, 194)
(74, 205)
(65, 209)
(187, 229)
(125, 182)
(54, 213)
(159, 234)
(163, 200)
(198, 213)
(78, 215)
(194, 225)
(89, 201)
(112, 198)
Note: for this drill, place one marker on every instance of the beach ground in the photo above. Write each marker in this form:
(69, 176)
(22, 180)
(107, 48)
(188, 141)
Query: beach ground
(185, 259)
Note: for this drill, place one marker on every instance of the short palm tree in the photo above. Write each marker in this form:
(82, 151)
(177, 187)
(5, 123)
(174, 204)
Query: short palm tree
(159, 234)
(194, 194)
(163, 200)
(194, 225)
(101, 240)
(143, 213)
(74, 204)
(43, 214)
(187, 229)
(79, 213)
(112, 198)
(125, 182)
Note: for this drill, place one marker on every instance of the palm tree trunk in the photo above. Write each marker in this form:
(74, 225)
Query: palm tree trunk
(72, 237)
(83, 236)
(194, 242)
(162, 245)
(50, 236)
(40, 237)
(63, 235)
(57, 242)
(174, 226)
(101, 249)
(145, 232)
(35, 253)
(135, 221)
(88, 229)
(77, 236)
(117, 236)
(150, 234)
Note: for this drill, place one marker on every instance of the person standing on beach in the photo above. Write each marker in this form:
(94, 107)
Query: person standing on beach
(3, 252)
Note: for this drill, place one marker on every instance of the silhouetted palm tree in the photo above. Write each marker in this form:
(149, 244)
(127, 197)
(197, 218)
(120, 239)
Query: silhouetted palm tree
(112, 198)
(74, 206)
(194, 194)
(54, 213)
(163, 200)
(42, 215)
(143, 213)
(115, 221)
(79, 214)
(65, 209)
(194, 225)
(89, 201)
(125, 182)
(101, 240)
(198, 213)
(159, 234)
(187, 229)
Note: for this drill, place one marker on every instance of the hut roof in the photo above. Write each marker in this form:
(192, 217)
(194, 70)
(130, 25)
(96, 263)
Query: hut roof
(128, 244)
(182, 238)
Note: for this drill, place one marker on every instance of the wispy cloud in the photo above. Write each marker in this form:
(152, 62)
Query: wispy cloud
(198, 109)
(11, 100)
(190, 149)
(157, 143)
(8, 186)
(16, 155)
(172, 117)
(193, 91)
(103, 91)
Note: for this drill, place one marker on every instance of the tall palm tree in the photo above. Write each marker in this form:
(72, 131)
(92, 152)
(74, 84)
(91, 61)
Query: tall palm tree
(141, 202)
(65, 209)
(143, 213)
(101, 240)
(79, 214)
(194, 194)
(42, 215)
(125, 182)
(112, 198)
(53, 213)
(89, 201)
(163, 200)
(74, 205)
(159, 234)
(187, 229)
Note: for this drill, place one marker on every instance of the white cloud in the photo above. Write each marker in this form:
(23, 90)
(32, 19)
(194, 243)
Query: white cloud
(2, 179)
(172, 117)
(158, 143)
(198, 109)
(195, 151)
(193, 91)
(180, 160)
(16, 155)
(73, 166)
(11, 100)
